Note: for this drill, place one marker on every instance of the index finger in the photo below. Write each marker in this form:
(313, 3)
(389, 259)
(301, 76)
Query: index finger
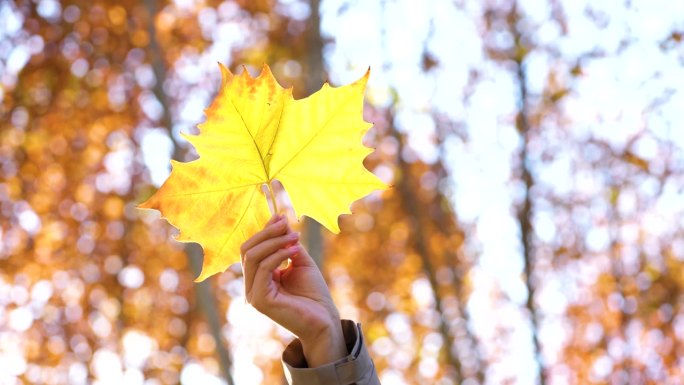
(275, 227)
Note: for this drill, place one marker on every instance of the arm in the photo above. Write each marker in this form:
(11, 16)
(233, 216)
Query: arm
(298, 298)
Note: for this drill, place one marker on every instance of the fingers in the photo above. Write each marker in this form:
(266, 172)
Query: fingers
(255, 256)
(276, 226)
(274, 219)
(257, 295)
(302, 258)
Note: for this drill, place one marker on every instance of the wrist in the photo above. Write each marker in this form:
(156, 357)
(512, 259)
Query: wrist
(326, 345)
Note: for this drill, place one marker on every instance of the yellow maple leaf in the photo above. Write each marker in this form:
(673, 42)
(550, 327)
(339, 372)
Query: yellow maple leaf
(256, 132)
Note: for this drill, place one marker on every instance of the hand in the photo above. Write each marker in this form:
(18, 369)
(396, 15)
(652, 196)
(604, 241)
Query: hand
(295, 297)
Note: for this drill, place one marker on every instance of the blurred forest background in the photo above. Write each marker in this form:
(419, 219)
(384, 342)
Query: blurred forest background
(535, 233)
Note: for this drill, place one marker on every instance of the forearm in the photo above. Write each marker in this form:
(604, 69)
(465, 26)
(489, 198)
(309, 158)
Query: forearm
(355, 367)
(326, 346)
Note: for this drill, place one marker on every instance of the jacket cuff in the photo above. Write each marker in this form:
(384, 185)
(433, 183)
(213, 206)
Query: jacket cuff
(355, 367)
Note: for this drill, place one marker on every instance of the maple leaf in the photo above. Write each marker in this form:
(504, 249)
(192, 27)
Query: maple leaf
(255, 132)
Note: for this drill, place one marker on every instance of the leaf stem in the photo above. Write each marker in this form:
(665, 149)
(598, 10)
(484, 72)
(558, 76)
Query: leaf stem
(272, 197)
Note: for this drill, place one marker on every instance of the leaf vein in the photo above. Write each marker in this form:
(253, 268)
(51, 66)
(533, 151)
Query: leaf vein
(214, 191)
(237, 224)
(319, 181)
(256, 146)
(321, 129)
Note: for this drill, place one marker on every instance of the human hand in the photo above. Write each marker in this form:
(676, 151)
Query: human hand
(295, 297)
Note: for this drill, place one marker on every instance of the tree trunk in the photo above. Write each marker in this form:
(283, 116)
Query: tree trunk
(526, 210)
(315, 75)
(409, 200)
(203, 291)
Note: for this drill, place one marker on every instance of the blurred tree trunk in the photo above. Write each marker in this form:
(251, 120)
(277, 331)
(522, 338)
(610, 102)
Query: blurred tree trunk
(203, 291)
(410, 202)
(460, 267)
(617, 272)
(314, 77)
(406, 186)
(526, 210)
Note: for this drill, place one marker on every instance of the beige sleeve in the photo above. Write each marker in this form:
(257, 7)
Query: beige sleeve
(356, 368)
